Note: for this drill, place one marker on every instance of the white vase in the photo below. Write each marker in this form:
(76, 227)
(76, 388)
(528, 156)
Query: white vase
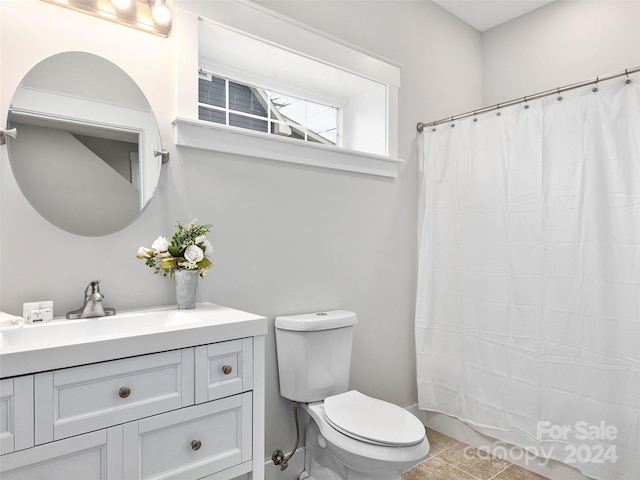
(186, 288)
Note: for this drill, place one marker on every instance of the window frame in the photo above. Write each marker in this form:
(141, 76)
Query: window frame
(262, 25)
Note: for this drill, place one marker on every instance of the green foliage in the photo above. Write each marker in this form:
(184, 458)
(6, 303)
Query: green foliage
(188, 249)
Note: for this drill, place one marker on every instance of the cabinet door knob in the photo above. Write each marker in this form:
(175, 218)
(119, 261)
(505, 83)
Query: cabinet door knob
(196, 444)
(124, 392)
(227, 369)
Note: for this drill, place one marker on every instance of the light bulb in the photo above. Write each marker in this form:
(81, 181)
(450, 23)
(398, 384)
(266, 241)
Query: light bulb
(121, 4)
(161, 12)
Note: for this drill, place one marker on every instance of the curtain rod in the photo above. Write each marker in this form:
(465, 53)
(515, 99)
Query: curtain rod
(628, 71)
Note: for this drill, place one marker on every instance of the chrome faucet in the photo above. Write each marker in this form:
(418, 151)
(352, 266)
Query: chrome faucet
(92, 304)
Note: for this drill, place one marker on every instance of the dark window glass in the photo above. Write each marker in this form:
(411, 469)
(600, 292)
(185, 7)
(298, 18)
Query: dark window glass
(212, 92)
(210, 115)
(243, 99)
(248, 123)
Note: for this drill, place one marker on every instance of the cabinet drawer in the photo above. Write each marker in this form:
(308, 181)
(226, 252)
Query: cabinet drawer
(81, 399)
(190, 443)
(223, 369)
(93, 456)
(16, 414)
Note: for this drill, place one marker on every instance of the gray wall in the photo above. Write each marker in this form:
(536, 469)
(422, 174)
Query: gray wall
(287, 238)
(562, 43)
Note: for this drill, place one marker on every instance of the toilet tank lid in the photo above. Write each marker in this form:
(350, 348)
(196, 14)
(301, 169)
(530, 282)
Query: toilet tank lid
(307, 322)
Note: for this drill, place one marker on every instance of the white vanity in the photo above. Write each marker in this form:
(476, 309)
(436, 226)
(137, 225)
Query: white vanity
(150, 394)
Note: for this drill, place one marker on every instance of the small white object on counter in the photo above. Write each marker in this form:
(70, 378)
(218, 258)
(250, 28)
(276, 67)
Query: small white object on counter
(9, 322)
(37, 312)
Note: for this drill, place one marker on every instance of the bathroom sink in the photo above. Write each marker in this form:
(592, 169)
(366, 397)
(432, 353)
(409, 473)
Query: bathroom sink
(64, 332)
(62, 343)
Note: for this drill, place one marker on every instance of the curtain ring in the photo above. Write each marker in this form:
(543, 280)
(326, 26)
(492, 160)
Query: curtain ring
(559, 95)
(595, 88)
(452, 124)
(475, 119)
(628, 80)
(498, 113)
(526, 105)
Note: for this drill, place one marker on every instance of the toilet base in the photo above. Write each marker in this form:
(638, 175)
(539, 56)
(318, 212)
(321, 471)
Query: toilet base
(321, 460)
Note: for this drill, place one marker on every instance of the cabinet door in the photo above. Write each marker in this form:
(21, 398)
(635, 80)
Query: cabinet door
(16, 413)
(223, 369)
(190, 443)
(93, 456)
(77, 400)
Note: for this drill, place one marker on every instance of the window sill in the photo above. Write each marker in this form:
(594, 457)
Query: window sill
(220, 138)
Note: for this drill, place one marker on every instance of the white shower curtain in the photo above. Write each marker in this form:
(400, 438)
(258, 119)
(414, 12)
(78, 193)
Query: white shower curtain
(528, 302)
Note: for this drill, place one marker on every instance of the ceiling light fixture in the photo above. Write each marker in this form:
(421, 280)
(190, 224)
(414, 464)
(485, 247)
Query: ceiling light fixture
(160, 12)
(121, 4)
(152, 16)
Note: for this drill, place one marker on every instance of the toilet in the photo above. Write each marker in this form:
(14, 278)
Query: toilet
(349, 436)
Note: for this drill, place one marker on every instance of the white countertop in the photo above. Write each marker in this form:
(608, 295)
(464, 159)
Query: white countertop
(65, 343)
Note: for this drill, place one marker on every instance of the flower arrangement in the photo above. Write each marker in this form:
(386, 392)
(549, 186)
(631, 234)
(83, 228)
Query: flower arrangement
(188, 249)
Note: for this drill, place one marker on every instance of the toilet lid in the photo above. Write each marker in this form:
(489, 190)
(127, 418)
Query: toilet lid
(372, 420)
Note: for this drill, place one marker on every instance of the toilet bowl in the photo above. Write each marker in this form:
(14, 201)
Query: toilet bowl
(349, 435)
(356, 437)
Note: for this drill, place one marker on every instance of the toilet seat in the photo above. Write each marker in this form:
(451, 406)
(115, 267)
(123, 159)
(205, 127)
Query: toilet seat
(372, 421)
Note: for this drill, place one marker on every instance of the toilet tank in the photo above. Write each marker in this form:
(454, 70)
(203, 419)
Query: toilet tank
(314, 354)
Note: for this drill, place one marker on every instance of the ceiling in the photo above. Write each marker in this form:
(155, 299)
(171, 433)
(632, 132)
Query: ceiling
(485, 14)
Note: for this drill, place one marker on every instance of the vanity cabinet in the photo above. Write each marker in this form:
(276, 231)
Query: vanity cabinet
(75, 400)
(16, 413)
(195, 442)
(92, 456)
(188, 414)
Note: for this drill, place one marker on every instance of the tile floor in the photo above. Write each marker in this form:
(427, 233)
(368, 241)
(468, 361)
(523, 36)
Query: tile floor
(450, 459)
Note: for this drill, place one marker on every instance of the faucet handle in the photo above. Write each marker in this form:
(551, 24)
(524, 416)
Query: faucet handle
(92, 288)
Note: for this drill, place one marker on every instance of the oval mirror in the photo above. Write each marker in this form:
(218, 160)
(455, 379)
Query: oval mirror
(84, 155)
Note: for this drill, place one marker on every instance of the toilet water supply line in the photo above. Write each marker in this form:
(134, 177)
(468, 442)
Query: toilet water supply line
(278, 456)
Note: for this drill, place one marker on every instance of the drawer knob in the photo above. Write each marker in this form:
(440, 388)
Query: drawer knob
(227, 369)
(124, 392)
(196, 444)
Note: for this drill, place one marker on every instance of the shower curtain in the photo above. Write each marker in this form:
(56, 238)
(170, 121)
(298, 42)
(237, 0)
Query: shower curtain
(528, 302)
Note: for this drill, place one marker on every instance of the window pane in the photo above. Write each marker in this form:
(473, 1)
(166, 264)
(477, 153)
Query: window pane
(245, 99)
(212, 92)
(322, 122)
(288, 109)
(249, 123)
(284, 129)
(210, 115)
(253, 108)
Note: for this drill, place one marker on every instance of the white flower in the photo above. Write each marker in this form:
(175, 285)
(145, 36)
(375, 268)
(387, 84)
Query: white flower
(144, 252)
(206, 245)
(193, 254)
(160, 245)
(200, 239)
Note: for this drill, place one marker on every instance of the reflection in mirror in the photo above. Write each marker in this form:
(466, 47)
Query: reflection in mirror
(84, 154)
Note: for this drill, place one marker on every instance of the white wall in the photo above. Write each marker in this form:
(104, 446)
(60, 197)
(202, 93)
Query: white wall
(559, 44)
(287, 238)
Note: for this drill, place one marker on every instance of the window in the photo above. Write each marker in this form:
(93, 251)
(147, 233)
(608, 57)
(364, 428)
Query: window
(256, 83)
(235, 104)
